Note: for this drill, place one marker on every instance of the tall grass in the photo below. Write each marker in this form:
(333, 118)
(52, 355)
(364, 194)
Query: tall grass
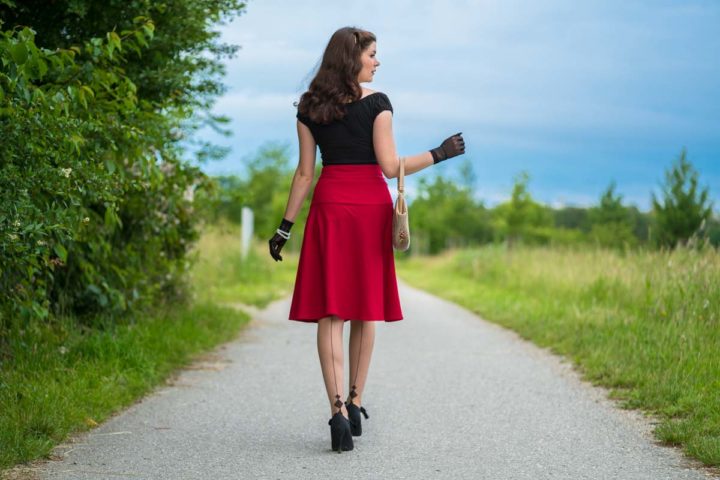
(221, 274)
(646, 324)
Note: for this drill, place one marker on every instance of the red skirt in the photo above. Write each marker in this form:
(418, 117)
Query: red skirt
(346, 265)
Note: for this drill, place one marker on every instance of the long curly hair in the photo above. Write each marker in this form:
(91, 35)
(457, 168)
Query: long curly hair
(336, 82)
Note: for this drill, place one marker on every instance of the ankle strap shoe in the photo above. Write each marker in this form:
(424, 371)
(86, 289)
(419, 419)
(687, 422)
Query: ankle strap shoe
(354, 418)
(340, 434)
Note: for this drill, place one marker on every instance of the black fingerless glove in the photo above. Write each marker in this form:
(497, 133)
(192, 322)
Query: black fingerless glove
(282, 234)
(451, 147)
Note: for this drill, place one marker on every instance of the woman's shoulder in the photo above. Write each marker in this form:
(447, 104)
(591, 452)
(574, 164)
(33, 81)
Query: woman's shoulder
(373, 102)
(379, 101)
(376, 93)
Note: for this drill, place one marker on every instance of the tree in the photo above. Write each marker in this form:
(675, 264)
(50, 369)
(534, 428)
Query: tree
(267, 175)
(611, 221)
(684, 206)
(713, 230)
(518, 215)
(445, 214)
(572, 218)
(611, 209)
(522, 217)
(641, 222)
(179, 72)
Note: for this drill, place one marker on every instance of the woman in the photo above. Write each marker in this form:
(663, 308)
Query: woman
(346, 268)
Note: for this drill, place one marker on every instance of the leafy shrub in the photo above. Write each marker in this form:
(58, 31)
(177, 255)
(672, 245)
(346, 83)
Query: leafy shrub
(95, 204)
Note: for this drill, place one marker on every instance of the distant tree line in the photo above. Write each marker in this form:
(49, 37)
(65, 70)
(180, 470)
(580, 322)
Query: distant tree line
(446, 214)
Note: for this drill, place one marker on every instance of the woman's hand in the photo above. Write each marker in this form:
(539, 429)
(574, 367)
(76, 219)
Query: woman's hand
(276, 244)
(278, 240)
(451, 147)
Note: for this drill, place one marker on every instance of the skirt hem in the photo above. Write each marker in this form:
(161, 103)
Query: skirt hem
(315, 320)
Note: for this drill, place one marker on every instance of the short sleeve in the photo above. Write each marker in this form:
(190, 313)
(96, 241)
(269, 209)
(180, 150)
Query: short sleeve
(382, 102)
(303, 118)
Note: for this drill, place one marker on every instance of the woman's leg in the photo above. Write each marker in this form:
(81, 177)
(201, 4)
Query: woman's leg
(330, 350)
(362, 340)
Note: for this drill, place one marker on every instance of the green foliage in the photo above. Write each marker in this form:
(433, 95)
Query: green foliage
(641, 223)
(610, 209)
(522, 218)
(222, 275)
(445, 214)
(713, 230)
(96, 203)
(263, 188)
(62, 116)
(268, 179)
(611, 221)
(613, 234)
(684, 207)
(550, 235)
(178, 70)
(572, 218)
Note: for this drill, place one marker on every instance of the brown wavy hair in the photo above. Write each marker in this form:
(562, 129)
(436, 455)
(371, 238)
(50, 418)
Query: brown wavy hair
(336, 83)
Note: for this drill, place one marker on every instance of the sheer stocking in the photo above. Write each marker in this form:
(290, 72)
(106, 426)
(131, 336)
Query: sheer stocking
(362, 340)
(330, 351)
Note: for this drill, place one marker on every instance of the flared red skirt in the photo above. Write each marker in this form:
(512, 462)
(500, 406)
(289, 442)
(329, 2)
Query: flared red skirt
(346, 265)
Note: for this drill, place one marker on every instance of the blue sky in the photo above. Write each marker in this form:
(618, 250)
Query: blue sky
(576, 93)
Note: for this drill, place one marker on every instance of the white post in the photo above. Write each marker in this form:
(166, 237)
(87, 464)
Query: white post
(246, 231)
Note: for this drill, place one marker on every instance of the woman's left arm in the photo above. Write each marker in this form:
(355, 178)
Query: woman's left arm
(305, 172)
(301, 185)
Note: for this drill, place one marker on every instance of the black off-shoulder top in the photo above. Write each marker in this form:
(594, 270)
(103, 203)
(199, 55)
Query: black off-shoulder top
(350, 139)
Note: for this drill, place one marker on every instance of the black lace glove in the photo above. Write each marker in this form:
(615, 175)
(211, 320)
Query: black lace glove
(451, 147)
(278, 240)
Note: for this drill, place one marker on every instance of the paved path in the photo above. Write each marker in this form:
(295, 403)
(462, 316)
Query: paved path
(449, 395)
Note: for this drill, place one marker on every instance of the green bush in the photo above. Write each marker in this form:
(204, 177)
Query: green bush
(95, 204)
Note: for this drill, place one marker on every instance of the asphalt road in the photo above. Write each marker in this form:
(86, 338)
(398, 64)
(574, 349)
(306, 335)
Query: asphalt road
(450, 396)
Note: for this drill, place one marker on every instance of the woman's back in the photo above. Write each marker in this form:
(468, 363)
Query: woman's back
(350, 139)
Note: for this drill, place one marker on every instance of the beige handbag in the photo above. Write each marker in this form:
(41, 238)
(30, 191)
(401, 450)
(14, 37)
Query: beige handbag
(401, 226)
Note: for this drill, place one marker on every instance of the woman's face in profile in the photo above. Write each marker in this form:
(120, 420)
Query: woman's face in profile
(369, 63)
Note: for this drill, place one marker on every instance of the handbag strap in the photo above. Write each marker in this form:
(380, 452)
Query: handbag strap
(401, 176)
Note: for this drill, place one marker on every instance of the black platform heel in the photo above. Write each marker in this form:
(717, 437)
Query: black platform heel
(354, 414)
(340, 433)
(355, 419)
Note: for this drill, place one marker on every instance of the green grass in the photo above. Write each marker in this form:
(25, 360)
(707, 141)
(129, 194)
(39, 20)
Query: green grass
(645, 324)
(61, 378)
(221, 275)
